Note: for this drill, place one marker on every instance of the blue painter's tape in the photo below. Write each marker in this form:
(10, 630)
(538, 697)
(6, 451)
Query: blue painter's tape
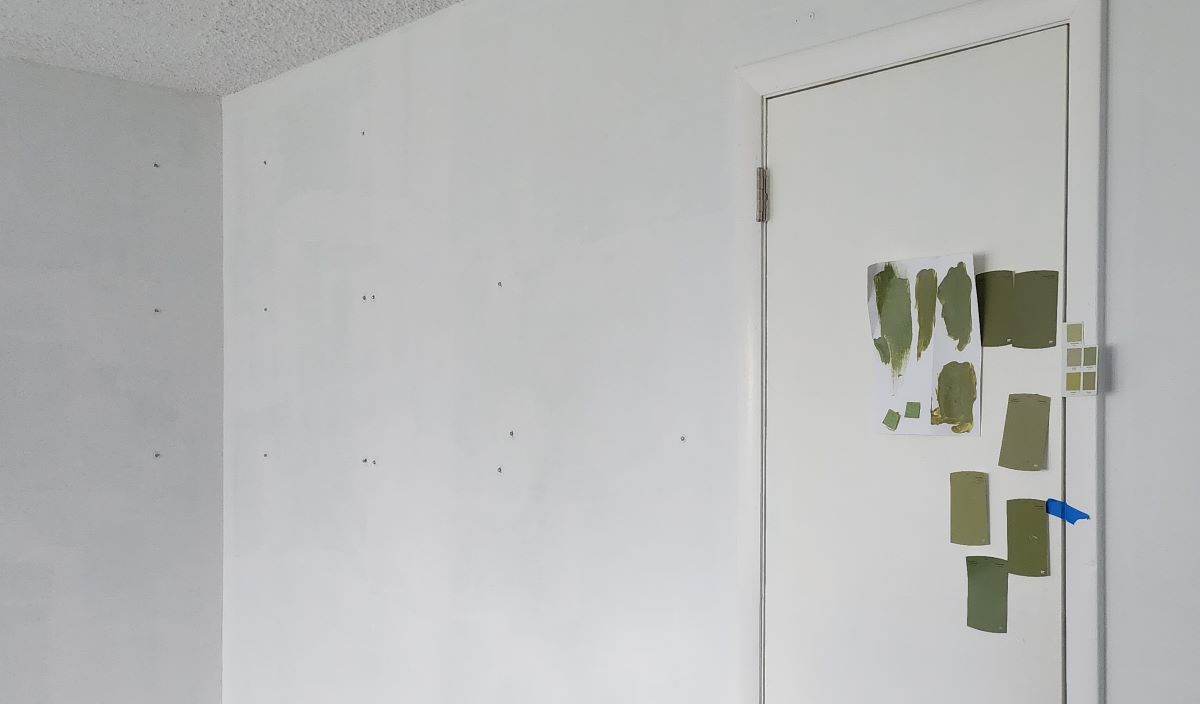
(1065, 511)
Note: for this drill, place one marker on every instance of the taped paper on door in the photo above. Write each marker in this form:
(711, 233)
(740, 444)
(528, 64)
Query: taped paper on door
(924, 317)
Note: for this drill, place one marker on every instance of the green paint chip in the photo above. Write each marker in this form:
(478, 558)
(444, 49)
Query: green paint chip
(969, 508)
(1089, 356)
(1026, 432)
(891, 420)
(1035, 296)
(1074, 381)
(1075, 357)
(987, 594)
(1028, 538)
(912, 409)
(1074, 332)
(1089, 381)
(995, 292)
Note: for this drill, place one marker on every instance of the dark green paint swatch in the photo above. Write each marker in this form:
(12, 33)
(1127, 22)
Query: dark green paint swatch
(1028, 538)
(996, 299)
(893, 302)
(1026, 432)
(1089, 356)
(1089, 381)
(955, 295)
(1035, 309)
(881, 346)
(957, 388)
(912, 409)
(987, 594)
(891, 419)
(969, 509)
(927, 291)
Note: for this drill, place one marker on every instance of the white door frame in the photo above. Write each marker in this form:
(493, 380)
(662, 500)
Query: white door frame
(970, 25)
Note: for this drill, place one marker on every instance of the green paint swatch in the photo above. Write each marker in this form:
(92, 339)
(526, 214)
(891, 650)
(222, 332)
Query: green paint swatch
(1089, 356)
(969, 508)
(1028, 538)
(894, 305)
(1075, 332)
(912, 409)
(957, 312)
(1075, 357)
(1074, 381)
(926, 293)
(957, 388)
(1026, 432)
(1035, 306)
(987, 594)
(1089, 381)
(881, 346)
(891, 419)
(996, 299)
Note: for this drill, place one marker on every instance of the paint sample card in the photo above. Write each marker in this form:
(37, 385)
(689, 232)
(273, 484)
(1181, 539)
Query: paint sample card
(1028, 538)
(1081, 362)
(996, 300)
(1026, 432)
(969, 521)
(924, 318)
(1035, 305)
(987, 594)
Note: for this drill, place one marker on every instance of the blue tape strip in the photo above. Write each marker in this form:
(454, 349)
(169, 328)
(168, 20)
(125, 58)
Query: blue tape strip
(1065, 511)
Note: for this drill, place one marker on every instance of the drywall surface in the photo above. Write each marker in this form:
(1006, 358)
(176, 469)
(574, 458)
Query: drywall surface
(1153, 481)
(511, 474)
(110, 564)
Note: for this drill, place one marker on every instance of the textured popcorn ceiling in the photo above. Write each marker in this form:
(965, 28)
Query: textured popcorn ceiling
(204, 46)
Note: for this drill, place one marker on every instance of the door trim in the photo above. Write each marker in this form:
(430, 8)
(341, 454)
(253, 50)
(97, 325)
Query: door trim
(968, 26)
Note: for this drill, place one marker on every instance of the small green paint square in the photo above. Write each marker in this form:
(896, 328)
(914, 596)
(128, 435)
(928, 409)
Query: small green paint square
(1089, 381)
(1075, 357)
(912, 409)
(892, 420)
(1074, 381)
(1089, 356)
(1074, 332)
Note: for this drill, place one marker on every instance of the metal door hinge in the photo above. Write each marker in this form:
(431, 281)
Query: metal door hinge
(764, 195)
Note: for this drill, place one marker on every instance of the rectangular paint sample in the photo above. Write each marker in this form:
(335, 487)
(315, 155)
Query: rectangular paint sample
(891, 419)
(987, 594)
(1026, 432)
(969, 524)
(1074, 357)
(1074, 381)
(912, 409)
(1089, 356)
(1028, 538)
(1074, 333)
(1089, 381)
(1035, 302)
(995, 292)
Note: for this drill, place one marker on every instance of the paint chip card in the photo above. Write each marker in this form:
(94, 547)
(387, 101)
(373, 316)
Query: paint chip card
(1028, 538)
(995, 289)
(987, 594)
(1081, 362)
(969, 523)
(1026, 432)
(1035, 300)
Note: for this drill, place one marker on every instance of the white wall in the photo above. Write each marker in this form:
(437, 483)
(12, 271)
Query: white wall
(110, 559)
(581, 154)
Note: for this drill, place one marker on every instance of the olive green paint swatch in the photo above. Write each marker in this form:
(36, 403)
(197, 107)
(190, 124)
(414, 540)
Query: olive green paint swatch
(1028, 538)
(1089, 356)
(893, 302)
(957, 388)
(1074, 381)
(912, 409)
(926, 293)
(1075, 357)
(969, 508)
(954, 293)
(1074, 332)
(987, 594)
(1035, 306)
(1089, 381)
(996, 299)
(891, 419)
(1026, 432)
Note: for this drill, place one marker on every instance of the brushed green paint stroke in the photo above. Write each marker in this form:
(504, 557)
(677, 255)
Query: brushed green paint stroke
(893, 302)
(881, 346)
(987, 594)
(926, 294)
(955, 295)
(957, 388)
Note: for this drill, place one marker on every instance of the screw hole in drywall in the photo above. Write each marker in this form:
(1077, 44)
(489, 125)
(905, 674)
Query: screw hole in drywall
(156, 164)
(157, 455)
(500, 284)
(499, 470)
(156, 310)
(512, 433)
(682, 438)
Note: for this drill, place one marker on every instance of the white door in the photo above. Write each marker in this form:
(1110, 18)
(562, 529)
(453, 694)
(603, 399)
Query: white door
(866, 597)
